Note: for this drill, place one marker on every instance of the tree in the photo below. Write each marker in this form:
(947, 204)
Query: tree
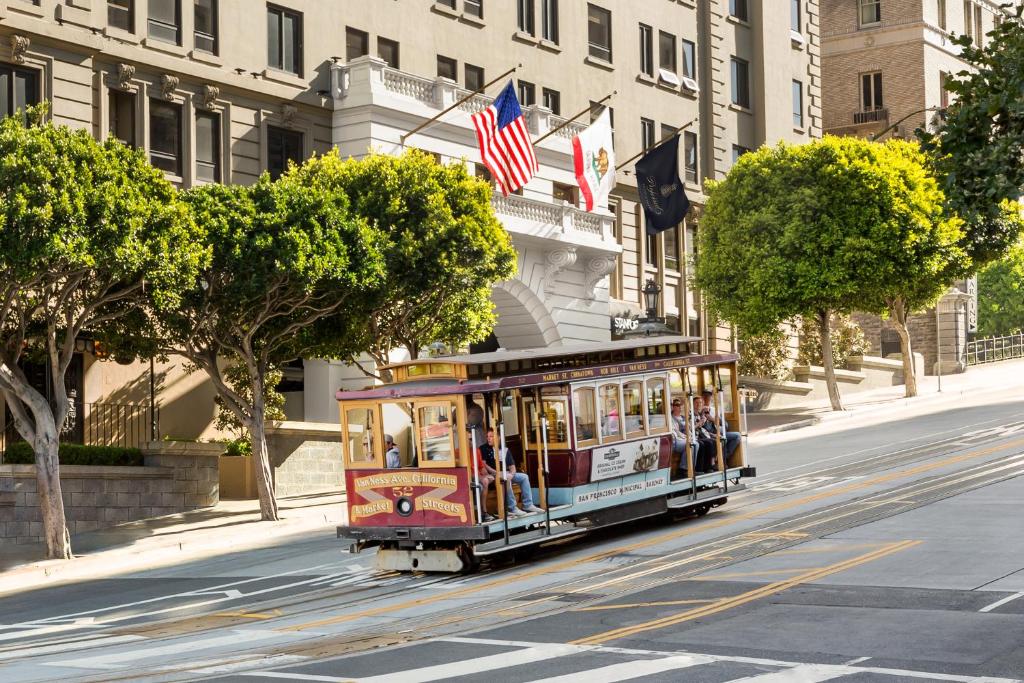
(286, 254)
(90, 232)
(1001, 295)
(443, 248)
(793, 230)
(979, 150)
(847, 340)
(919, 249)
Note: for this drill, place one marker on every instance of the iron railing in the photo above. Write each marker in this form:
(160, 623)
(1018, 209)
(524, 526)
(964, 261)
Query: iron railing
(101, 424)
(870, 115)
(994, 349)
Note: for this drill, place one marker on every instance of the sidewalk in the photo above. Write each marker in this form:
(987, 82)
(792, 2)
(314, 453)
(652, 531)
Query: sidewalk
(1006, 376)
(162, 541)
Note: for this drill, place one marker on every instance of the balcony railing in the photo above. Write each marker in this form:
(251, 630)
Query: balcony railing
(101, 424)
(556, 220)
(870, 116)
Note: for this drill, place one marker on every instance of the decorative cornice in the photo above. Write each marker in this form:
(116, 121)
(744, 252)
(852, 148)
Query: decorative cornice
(19, 46)
(556, 261)
(288, 112)
(125, 74)
(597, 268)
(168, 84)
(208, 96)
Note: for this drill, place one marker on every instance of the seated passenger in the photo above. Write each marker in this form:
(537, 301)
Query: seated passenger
(485, 481)
(732, 439)
(392, 457)
(520, 479)
(707, 449)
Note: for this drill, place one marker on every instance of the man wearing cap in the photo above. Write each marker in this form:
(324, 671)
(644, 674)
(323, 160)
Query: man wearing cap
(732, 439)
(392, 458)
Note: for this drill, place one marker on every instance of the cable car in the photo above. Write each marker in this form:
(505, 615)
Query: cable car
(434, 459)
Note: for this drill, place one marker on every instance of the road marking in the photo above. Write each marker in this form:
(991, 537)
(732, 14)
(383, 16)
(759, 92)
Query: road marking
(218, 666)
(626, 671)
(856, 661)
(840, 669)
(85, 644)
(249, 615)
(744, 598)
(804, 673)
(287, 675)
(741, 575)
(597, 608)
(31, 631)
(1000, 603)
(504, 580)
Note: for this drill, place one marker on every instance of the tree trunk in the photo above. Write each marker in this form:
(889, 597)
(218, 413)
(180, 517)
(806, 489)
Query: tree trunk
(898, 313)
(258, 435)
(825, 330)
(51, 501)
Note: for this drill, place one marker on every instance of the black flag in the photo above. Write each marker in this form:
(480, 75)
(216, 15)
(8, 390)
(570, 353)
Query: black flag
(661, 191)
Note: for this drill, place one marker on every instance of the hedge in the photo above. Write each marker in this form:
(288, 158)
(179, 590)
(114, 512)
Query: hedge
(20, 453)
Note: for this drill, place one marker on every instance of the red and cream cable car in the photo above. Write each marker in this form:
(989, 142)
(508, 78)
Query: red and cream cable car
(591, 426)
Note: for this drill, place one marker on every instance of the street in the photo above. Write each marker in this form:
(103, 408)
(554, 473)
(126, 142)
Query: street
(869, 549)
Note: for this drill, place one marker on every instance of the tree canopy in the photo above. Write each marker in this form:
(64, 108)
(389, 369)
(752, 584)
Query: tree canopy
(442, 246)
(979, 149)
(90, 232)
(1001, 295)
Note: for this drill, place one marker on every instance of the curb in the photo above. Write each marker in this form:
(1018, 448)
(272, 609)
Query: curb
(787, 427)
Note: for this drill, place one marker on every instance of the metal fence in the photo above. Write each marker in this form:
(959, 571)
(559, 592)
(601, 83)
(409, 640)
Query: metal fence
(101, 424)
(995, 349)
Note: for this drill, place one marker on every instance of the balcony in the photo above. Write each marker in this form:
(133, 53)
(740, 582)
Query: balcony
(871, 116)
(533, 219)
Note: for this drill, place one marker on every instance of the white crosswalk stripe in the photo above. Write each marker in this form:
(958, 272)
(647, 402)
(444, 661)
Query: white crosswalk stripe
(627, 671)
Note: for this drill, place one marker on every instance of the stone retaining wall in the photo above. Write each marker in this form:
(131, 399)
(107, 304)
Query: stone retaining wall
(175, 478)
(306, 457)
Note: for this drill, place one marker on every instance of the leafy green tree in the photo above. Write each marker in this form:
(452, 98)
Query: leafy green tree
(1001, 295)
(847, 340)
(90, 233)
(237, 377)
(979, 150)
(286, 254)
(764, 354)
(804, 230)
(443, 248)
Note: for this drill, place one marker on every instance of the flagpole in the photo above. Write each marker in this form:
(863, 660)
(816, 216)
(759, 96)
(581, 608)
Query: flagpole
(570, 120)
(659, 143)
(470, 96)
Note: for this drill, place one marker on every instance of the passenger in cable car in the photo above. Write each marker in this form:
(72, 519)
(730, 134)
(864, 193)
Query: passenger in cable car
(732, 439)
(520, 479)
(485, 481)
(678, 428)
(392, 457)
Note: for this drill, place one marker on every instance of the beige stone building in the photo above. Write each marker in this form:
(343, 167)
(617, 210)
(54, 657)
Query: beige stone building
(223, 90)
(884, 63)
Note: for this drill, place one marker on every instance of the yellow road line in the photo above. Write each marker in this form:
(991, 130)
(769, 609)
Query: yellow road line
(504, 581)
(738, 575)
(824, 549)
(793, 535)
(597, 608)
(250, 615)
(743, 598)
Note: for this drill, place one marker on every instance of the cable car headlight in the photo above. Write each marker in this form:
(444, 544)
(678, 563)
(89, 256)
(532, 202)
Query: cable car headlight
(404, 506)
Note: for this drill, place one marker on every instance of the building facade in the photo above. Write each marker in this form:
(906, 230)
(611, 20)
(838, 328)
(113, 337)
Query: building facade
(223, 90)
(884, 64)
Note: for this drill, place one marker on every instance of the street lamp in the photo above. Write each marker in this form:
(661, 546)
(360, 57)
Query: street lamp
(652, 325)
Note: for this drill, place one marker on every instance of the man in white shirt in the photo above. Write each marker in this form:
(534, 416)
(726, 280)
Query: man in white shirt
(392, 458)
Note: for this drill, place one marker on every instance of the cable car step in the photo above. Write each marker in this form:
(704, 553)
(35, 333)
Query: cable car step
(535, 537)
(705, 496)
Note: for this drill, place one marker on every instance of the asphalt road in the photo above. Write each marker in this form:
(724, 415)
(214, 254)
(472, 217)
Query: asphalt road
(868, 550)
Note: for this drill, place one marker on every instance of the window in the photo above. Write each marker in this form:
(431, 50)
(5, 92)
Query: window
(667, 51)
(737, 152)
(284, 40)
(738, 9)
(447, 3)
(979, 32)
(689, 59)
(361, 433)
(656, 405)
(122, 117)
(599, 32)
(524, 16)
(968, 30)
(282, 146)
(165, 20)
(481, 171)
(584, 416)
(208, 146)
(388, 51)
(165, 136)
(608, 411)
(871, 91)
(549, 20)
(646, 50)
(941, 9)
(552, 100)
(690, 156)
(448, 68)
(436, 424)
(120, 15)
(671, 245)
(596, 109)
(944, 89)
(561, 192)
(474, 77)
(205, 30)
(740, 83)
(798, 104)
(633, 400)
(870, 12)
(646, 134)
(474, 8)
(651, 253)
(19, 88)
(527, 93)
(357, 43)
(794, 15)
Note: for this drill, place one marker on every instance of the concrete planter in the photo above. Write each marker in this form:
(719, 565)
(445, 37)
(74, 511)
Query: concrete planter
(237, 477)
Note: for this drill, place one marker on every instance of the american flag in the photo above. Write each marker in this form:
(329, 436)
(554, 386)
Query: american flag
(505, 142)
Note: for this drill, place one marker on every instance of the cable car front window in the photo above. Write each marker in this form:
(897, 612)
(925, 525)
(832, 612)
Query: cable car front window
(633, 397)
(656, 404)
(361, 431)
(611, 424)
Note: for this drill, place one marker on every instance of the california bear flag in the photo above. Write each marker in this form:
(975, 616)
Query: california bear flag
(595, 160)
